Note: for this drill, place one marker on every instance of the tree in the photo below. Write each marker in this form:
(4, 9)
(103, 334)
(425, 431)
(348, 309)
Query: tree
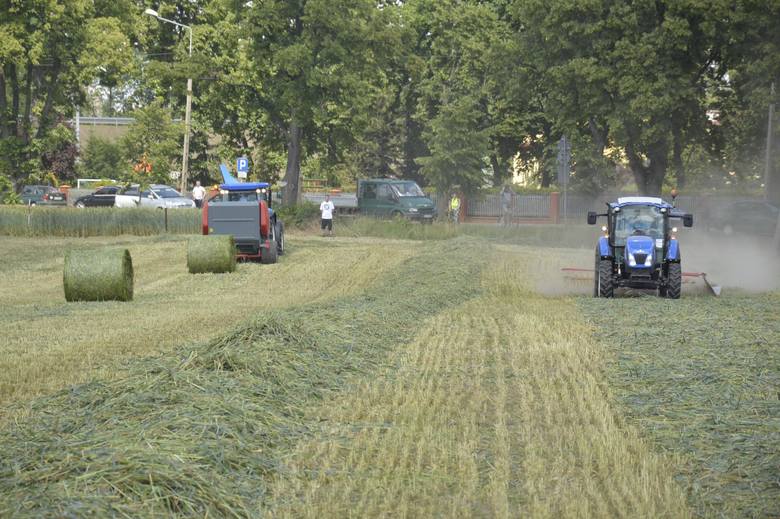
(462, 107)
(457, 150)
(312, 63)
(633, 73)
(101, 158)
(154, 140)
(48, 50)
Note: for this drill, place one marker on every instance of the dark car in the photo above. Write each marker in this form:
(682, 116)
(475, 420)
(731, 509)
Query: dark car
(103, 197)
(42, 195)
(749, 217)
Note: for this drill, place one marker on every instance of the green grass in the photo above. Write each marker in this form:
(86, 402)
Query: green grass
(372, 377)
(701, 378)
(69, 221)
(198, 433)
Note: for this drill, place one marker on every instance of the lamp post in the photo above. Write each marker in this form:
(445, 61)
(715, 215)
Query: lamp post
(186, 154)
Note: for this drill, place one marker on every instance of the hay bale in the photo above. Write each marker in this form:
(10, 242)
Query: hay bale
(98, 275)
(214, 253)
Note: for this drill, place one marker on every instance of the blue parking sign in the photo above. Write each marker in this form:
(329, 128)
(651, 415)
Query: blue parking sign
(242, 165)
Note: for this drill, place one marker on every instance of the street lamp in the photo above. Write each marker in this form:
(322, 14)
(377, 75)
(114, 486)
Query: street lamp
(186, 154)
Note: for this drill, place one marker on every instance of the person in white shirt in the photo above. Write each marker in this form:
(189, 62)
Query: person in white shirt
(327, 208)
(198, 192)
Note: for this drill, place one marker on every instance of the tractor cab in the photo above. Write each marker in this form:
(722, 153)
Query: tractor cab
(639, 248)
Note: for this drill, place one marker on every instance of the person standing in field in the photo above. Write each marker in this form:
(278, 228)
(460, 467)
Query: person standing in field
(455, 208)
(326, 222)
(198, 192)
(506, 206)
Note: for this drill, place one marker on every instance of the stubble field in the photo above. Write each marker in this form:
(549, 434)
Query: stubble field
(365, 377)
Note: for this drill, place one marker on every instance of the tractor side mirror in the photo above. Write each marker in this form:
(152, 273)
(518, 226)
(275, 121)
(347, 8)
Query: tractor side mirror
(688, 220)
(592, 218)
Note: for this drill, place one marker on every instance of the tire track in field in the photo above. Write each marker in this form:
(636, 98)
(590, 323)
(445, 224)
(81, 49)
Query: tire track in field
(496, 409)
(578, 460)
(418, 441)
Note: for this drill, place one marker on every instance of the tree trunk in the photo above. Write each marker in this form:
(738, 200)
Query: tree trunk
(3, 105)
(649, 175)
(43, 121)
(292, 174)
(14, 100)
(27, 117)
(599, 136)
(677, 162)
(497, 173)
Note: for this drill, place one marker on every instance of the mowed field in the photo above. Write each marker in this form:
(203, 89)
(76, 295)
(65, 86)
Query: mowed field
(365, 377)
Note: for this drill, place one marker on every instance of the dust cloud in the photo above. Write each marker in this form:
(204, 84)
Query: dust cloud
(734, 261)
(739, 261)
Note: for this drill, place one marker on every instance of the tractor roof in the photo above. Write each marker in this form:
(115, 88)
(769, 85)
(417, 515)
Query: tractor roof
(386, 180)
(245, 186)
(231, 184)
(640, 200)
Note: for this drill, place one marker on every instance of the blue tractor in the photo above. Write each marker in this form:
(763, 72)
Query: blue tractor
(243, 209)
(639, 248)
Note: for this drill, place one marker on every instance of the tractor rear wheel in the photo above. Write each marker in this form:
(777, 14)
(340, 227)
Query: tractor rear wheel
(604, 287)
(269, 255)
(674, 281)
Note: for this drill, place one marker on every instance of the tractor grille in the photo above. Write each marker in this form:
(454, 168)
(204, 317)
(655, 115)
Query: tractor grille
(640, 258)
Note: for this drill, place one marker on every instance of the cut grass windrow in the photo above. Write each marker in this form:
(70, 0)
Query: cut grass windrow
(199, 433)
(49, 344)
(701, 379)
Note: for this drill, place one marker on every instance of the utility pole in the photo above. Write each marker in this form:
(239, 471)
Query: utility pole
(768, 157)
(187, 114)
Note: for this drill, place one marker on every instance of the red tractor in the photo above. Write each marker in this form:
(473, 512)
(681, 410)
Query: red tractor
(243, 209)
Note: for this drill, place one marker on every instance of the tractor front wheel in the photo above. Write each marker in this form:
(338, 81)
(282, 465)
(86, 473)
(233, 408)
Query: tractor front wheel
(674, 281)
(604, 286)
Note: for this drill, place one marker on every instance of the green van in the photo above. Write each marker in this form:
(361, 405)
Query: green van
(389, 198)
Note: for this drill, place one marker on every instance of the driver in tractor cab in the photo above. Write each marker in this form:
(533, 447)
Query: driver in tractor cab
(644, 225)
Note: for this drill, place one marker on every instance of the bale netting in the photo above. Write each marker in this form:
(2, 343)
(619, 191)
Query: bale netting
(211, 254)
(98, 275)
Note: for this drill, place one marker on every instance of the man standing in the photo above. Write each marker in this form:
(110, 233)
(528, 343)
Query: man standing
(506, 206)
(455, 208)
(198, 192)
(327, 208)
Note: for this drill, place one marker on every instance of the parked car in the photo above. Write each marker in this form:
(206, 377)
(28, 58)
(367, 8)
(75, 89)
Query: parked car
(750, 217)
(103, 197)
(157, 195)
(42, 195)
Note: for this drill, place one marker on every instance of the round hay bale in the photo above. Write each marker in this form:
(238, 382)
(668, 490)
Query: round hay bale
(98, 275)
(211, 254)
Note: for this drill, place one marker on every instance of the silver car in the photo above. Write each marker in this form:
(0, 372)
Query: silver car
(157, 195)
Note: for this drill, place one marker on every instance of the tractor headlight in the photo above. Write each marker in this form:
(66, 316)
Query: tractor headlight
(631, 260)
(649, 260)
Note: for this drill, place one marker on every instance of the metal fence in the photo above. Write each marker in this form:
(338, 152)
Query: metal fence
(522, 206)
